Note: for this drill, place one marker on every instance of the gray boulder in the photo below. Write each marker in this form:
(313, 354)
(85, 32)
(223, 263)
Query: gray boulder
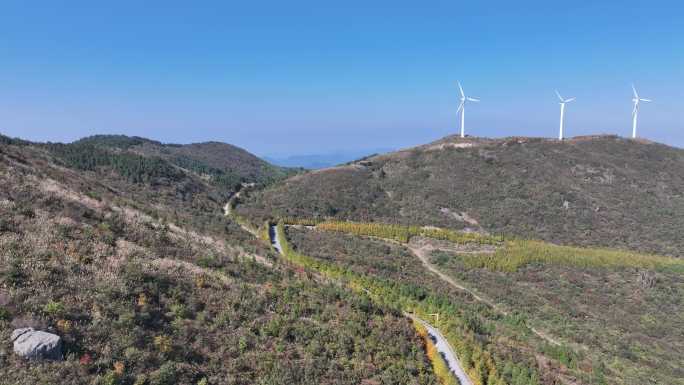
(37, 345)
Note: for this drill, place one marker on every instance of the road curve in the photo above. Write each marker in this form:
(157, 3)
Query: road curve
(445, 349)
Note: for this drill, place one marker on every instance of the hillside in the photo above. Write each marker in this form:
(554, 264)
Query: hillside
(594, 317)
(120, 246)
(223, 163)
(129, 260)
(602, 191)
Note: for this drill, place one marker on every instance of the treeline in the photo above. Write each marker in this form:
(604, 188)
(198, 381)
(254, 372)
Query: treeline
(480, 365)
(513, 254)
(518, 253)
(135, 168)
(120, 141)
(238, 169)
(13, 141)
(301, 221)
(403, 234)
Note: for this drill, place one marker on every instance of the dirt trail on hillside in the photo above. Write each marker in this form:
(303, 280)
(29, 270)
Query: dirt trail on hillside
(423, 251)
(229, 207)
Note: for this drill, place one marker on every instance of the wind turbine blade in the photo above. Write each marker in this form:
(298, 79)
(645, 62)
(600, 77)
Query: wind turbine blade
(559, 96)
(461, 88)
(636, 95)
(473, 99)
(569, 100)
(646, 100)
(460, 107)
(636, 108)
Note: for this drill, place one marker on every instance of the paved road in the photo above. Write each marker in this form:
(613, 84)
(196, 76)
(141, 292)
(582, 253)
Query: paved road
(446, 351)
(275, 241)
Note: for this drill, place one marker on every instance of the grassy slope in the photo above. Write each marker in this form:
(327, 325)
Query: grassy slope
(470, 322)
(619, 192)
(621, 312)
(631, 318)
(149, 286)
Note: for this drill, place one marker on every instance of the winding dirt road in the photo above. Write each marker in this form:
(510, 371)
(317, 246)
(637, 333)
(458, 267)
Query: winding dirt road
(228, 209)
(423, 251)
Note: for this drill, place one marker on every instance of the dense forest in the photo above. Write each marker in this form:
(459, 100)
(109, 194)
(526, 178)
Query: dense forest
(135, 168)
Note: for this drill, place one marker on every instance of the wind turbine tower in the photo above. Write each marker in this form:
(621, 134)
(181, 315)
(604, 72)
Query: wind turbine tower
(562, 112)
(461, 108)
(635, 111)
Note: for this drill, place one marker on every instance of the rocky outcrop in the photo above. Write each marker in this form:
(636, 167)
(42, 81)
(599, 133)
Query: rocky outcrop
(37, 345)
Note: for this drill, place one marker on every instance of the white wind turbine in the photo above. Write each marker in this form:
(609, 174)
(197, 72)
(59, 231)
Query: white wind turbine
(635, 111)
(461, 108)
(562, 104)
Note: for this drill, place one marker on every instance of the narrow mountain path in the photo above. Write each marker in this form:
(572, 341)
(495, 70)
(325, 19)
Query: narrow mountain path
(445, 349)
(422, 252)
(229, 207)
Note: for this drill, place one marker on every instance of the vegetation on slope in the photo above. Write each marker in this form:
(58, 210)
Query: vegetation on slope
(565, 291)
(401, 233)
(508, 255)
(223, 164)
(602, 191)
(634, 286)
(141, 299)
(629, 318)
(133, 167)
(518, 253)
(487, 346)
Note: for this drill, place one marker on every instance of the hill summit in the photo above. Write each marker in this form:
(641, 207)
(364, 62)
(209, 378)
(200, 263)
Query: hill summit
(221, 161)
(594, 190)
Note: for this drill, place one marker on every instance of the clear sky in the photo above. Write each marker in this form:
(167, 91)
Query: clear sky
(298, 77)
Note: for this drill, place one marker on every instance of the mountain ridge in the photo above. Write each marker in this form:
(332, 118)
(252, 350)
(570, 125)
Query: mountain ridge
(592, 190)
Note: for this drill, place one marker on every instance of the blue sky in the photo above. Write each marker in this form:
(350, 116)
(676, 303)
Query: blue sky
(302, 77)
